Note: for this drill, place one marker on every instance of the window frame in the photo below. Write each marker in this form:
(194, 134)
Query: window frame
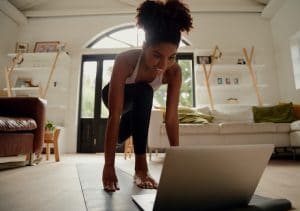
(112, 31)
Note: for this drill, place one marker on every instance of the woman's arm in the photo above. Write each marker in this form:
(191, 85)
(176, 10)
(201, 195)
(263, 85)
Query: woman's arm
(174, 83)
(115, 105)
(120, 72)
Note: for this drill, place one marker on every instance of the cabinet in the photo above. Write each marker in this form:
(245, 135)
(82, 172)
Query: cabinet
(224, 81)
(44, 75)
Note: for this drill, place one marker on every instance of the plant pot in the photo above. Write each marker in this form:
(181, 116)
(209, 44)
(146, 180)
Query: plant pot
(49, 134)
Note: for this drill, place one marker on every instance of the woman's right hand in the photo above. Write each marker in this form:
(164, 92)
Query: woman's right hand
(109, 179)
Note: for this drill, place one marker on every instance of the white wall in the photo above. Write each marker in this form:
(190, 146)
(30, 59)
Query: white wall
(232, 32)
(229, 31)
(285, 24)
(8, 34)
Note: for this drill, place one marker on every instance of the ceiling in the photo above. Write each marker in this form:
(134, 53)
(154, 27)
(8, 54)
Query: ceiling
(22, 10)
(33, 8)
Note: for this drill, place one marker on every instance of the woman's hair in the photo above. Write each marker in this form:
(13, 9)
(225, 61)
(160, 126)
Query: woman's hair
(163, 22)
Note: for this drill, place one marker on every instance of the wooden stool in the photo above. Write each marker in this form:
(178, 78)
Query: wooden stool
(52, 140)
(128, 148)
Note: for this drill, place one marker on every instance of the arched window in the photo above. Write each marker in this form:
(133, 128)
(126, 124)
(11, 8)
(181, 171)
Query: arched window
(125, 37)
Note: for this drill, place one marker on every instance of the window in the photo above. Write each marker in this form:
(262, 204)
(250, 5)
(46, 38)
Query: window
(187, 92)
(295, 53)
(124, 37)
(88, 89)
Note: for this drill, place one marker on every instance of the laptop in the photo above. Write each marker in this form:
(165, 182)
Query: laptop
(207, 177)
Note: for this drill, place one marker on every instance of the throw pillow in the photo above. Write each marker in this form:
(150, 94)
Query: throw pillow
(296, 108)
(282, 113)
(190, 115)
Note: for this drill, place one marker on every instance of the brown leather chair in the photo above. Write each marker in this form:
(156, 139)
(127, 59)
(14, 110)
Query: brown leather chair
(22, 140)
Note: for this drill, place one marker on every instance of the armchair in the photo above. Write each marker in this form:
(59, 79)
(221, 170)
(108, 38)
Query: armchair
(16, 137)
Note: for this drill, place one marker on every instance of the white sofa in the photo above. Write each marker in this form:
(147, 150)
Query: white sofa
(232, 124)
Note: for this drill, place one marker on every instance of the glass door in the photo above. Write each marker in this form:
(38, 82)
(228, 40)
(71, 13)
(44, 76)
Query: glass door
(187, 90)
(95, 74)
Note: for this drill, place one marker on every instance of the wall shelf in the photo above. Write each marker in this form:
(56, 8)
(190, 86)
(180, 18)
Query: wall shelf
(50, 71)
(224, 79)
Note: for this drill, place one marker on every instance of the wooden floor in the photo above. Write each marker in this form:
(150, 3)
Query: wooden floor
(55, 185)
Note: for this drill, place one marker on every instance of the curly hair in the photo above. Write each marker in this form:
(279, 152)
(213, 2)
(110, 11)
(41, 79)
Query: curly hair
(164, 22)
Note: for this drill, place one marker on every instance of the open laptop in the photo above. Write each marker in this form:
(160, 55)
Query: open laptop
(207, 177)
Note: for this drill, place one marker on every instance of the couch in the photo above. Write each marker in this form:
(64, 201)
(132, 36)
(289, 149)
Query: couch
(232, 124)
(22, 121)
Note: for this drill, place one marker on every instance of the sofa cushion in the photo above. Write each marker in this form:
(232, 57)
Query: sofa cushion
(9, 124)
(295, 126)
(196, 129)
(278, 113)
(283, 127)
(246, 127)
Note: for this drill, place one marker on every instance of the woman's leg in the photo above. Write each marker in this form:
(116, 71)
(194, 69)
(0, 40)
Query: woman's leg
(136, 114)
(141, 112)
(125, 127)
(135, 121)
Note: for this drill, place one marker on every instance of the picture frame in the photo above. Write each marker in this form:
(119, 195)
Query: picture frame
(236, 81)
(22, 47)
(227, 81)
(203, 59)
(219, 81)
(47, 46)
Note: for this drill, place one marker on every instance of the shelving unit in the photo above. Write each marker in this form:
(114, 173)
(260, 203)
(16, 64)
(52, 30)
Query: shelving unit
(227, 82)
(50, 72)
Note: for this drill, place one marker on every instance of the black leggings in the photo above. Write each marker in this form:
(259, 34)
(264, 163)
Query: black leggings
(136, 113)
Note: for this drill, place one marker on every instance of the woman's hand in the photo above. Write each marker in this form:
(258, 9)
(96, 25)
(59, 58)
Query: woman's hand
(109, 179)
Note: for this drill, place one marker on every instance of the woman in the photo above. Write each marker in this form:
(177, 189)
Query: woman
(136, 74)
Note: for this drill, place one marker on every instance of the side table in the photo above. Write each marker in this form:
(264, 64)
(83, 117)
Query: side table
(52, 139)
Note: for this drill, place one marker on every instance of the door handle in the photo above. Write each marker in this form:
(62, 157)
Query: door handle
(95, 141)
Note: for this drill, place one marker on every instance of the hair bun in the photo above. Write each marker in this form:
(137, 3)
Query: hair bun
(149, 14)
(164, 21)
(179, 14)
(172, 14)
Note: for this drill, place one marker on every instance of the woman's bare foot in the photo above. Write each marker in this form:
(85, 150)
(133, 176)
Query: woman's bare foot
(142, 178)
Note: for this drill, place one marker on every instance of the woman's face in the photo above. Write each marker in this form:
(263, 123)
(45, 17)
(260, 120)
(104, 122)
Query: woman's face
(160, 56)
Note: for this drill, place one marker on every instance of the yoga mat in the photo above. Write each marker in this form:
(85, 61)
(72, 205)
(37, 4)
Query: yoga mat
(90, 176)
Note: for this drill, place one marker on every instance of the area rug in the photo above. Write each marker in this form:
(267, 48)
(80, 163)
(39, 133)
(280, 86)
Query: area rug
(96, 198)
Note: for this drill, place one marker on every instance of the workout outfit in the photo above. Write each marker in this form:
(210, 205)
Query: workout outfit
(135, 118)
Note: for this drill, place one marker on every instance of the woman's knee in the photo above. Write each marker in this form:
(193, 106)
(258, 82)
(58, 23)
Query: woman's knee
(105, 95)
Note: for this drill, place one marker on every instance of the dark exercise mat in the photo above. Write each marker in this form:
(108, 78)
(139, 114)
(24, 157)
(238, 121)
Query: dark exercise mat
(269, 204)
(97, 199)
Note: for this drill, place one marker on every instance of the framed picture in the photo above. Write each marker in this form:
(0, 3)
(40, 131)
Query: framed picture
(236, 81)
(23, 82)
(203, 59)
(22, 47)
(50, 46)
(227, 81)
(219, 81)
(241, 61)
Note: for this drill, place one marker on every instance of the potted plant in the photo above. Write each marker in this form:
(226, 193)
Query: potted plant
(49, 129)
